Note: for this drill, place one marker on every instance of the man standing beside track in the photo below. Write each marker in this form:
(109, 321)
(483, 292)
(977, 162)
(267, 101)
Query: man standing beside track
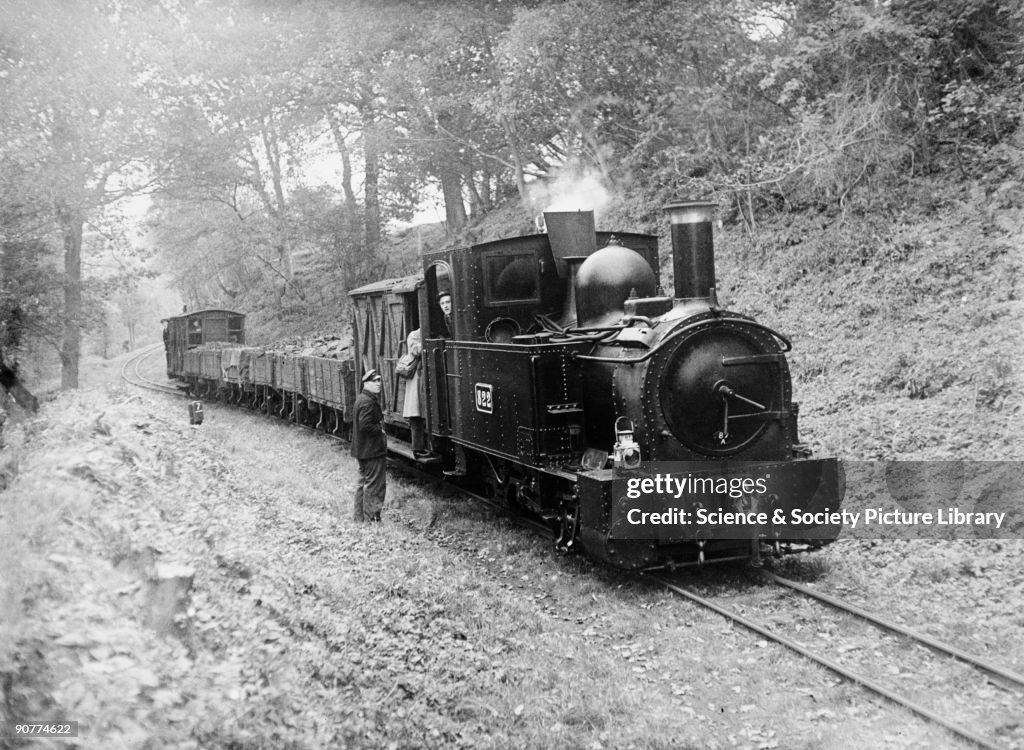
(369, 447)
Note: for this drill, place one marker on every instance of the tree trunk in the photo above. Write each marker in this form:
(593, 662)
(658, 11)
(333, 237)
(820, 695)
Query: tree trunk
(451, 190)
(371, 189)
(346, 158)
(476, 203)
(71, 222)
(278, 209)
(517, 161)
(284, 257)
(349, 246)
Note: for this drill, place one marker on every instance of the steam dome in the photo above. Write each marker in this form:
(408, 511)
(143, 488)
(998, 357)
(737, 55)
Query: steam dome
(606, 279)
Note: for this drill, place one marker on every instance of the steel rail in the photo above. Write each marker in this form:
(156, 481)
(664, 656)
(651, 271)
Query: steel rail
(139, 380)
(866, 682)
(932, 643)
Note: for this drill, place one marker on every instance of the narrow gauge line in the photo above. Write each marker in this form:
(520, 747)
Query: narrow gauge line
(136, 378)
(926, 640)
(866, 682)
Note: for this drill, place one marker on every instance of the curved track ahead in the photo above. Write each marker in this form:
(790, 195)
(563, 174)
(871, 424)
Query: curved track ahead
(131, 373)
(866, 682)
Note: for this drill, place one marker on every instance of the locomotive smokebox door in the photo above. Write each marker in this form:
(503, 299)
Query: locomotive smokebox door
(195, 412)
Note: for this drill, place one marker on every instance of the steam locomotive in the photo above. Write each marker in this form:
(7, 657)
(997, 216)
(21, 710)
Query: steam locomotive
(648, 430)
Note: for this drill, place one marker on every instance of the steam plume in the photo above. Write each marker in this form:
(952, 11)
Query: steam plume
(571, 189)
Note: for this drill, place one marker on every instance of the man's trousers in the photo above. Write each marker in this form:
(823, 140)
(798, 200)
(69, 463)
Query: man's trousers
(373, 480)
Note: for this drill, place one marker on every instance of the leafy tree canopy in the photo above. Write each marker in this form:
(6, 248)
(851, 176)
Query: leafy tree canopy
(281, 140)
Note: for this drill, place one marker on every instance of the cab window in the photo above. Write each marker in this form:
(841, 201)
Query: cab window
(510, 278)
(439, 281)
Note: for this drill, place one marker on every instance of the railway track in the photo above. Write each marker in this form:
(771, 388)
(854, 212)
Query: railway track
(132, 374)
(965, 733)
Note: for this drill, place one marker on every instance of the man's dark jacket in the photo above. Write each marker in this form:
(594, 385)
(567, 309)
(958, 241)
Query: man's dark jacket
(368, 432)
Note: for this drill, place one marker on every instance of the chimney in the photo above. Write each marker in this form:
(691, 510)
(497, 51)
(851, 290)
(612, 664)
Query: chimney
(693, 249)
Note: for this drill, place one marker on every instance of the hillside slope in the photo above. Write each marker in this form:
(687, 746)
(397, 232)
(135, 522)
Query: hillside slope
(907, 331)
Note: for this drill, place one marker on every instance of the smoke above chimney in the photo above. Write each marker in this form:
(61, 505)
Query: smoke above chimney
(571, 189)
